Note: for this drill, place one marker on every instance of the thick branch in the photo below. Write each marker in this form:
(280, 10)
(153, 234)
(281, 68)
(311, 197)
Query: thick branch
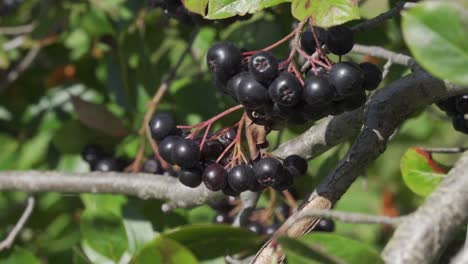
(461, 257)
(422, 237)
(144, 186)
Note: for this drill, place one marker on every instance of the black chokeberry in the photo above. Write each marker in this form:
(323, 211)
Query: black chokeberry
(340, 40)
(241, 178)
(355, 101)
(106, 165)
(461, 103)
(227, 138)
(460, 123)
(325, 225)
(285, 90)
(161, 125)
(224, 60)
(372, 75)
(223, 205)
(321, 71)
(92, 154)
(191, 177)
(347, 78)
(215, 177)
(318, 91)
(251, 93)
(167, 146)
(263, 66)
(212, 149)
(284, 182)
(296, 165)
(308, 42)
(255, 227)
(228, 191)
(269, 171)
(152, 165)
(232, 86)
(186, 153)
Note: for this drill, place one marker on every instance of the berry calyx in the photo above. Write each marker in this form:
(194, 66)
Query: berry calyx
(215, 177)
(263, 66)
(285, 90)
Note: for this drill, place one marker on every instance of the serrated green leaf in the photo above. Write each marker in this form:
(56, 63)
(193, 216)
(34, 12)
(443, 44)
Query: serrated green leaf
(104, 232)
(210, 241)
(436, 34)
(326, 13)
(164, 250)
(420, 173)
(219, 9)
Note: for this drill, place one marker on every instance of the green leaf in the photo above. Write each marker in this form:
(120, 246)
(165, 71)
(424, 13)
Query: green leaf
(326, 13)
(164, 250)
(196, 6)
(104, 202)
(210, 241)
(18, 255)
(328, 248)
(104, 232)
(139, 230)
(219, 9)
(34, 151)
(436, 34)
(420, 172)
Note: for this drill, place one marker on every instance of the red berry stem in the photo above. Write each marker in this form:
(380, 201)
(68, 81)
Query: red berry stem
(272, 46)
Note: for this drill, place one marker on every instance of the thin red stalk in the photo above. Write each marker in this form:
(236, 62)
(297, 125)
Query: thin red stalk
(272, 46)
(317, 42)
(204, 136)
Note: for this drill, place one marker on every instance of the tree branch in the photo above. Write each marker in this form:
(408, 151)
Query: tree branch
(249, 202)
(386, 111)
(380, 52)
(18, 30)
(369, 24)
(10, 239)
(461, 257)
(14, 73)
(144, 186)
(422, 237)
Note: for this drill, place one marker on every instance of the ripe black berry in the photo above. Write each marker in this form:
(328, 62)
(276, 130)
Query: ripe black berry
(263, 66)
(167, 146)
(212, 149)
(152, 165)
(285, 90)
(461, 103)
(372, 75)
(92, 154)
(232, 86)
(186, 153)
(161, 125)
(251, 93)
(296, 165)
(223, 205)
(347, 78)
(224, 60)
(215, 177)
(228, 137)
(284, 182)
(228, 191)
(241, 178)
(191, 177)
(308, 42)
(325, 225)
(106, 165)
(255, 227)
(460, 123)
(340, 40)
(318, 91)
(354, 101)
(269, 171)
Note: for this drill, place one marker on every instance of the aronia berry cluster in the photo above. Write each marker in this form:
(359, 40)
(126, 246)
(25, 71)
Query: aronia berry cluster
(457, 108)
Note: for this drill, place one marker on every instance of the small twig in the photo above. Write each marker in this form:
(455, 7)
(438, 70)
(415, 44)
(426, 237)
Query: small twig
(386, 68)
(380, 52)
(18, 30)
(369, 24)
(454, 150)
(355, 218)
(14, 73)
(10, 239)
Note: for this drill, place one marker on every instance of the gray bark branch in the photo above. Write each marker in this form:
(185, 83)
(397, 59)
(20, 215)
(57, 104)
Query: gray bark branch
(11, 237)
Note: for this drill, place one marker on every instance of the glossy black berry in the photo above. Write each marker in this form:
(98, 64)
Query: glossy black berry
(255, 227)
(296, 165)
(318, 91)
(355, 101)
(251, 93)
(227, 138)
(191, 177)
(460, 123)
(212, 149)
(92, 154)
(223, 205)
(215, 177)
(325, 225)
(224, 60)
(271, 229)
(347, 78)
(106, 165)
(372, 75)
(284, 182)
(186, 153)
(448, 105)
(269, 171)
(222, 218)
(161, 125)
(461, 103)
(263, 66)
(285, 90)
(340, 40)
(228, 191)
(308, 42)
(152, 165)
(241, 178)
(166, 148)
(232, 86)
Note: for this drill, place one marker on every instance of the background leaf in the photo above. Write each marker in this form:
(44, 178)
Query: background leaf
(326, 13)
(218, 9)
(436, 34)
(164, 250)
(420, 172)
